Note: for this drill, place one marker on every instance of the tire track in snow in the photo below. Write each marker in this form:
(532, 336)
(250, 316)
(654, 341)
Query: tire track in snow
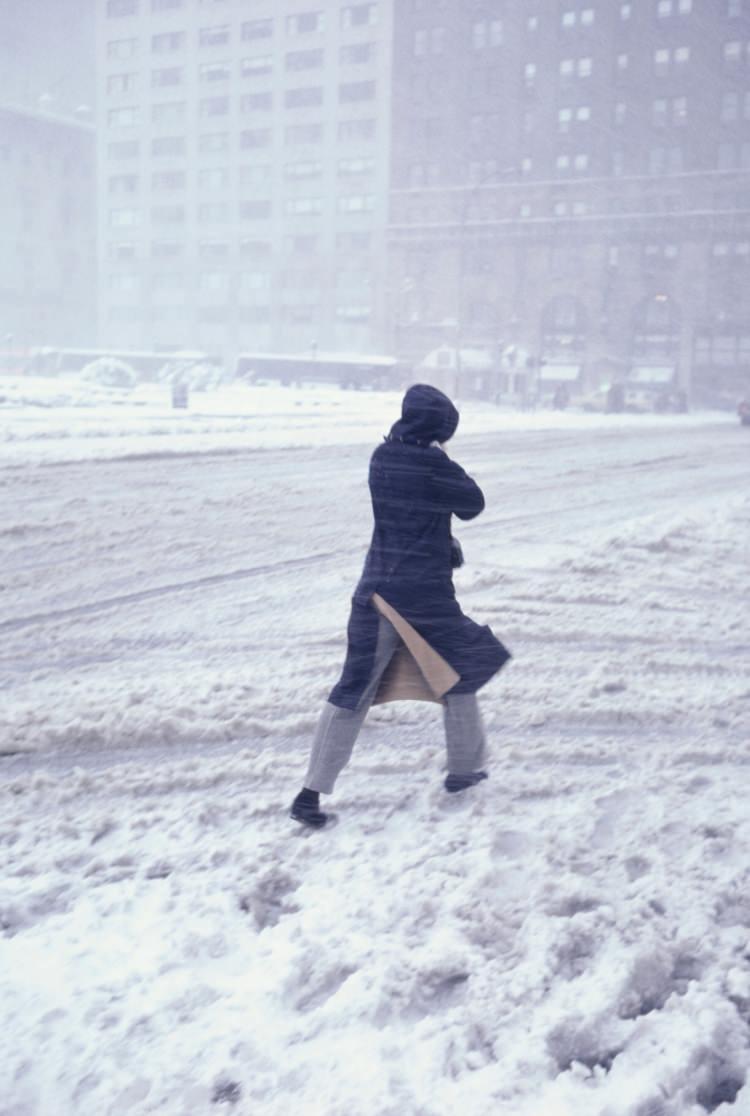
(162, 591)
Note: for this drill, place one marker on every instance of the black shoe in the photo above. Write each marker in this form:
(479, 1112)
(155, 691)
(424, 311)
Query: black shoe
(455, 783)
(306, 809)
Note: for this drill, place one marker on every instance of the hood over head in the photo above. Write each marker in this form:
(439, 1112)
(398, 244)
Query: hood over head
(427, 415)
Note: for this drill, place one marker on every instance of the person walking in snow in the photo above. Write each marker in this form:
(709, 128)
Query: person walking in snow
(407, 637)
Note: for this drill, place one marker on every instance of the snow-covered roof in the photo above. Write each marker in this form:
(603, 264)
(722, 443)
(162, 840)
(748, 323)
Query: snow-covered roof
(325, 358)
(48, 117)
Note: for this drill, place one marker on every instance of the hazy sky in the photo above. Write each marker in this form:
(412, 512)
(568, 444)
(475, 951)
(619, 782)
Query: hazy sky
(47, 46)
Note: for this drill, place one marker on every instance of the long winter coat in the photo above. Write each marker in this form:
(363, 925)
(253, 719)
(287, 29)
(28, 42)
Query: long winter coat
(415, 490)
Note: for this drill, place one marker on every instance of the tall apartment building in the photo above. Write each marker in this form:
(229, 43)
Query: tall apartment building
(47, 230)
(571, 181)
(244, 168)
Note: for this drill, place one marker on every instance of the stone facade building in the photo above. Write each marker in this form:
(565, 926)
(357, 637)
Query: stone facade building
(571, 190)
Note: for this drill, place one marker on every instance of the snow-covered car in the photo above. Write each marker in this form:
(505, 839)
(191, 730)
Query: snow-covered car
(110, 372)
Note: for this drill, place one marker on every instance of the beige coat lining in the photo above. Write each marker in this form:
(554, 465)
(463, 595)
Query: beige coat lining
(416, 672)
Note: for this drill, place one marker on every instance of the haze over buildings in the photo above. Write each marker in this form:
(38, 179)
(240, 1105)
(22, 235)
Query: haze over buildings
(563, 189)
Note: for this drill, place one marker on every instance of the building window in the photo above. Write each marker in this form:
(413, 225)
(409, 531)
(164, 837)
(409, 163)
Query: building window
(213, 248)
(117, 8)
(254, 280)
(735, 9)
(487, 33)
(303, 23)
(255, 137)
(167, 214)
(123, 149)
(167, 42)
(163, 249)
(213, 142)
(213, 36)
(121, 83)
(301, 245)
(122, 117)
(665, 58)
(352, 130)
(356, 203)
(355, 166)
(124, 218)
(122, 250)
(529, 74)
(255, 175)
(620, 113)
(626, 11)
(212, 213)
(123, 183)
(350, 91)
(214, 106)
(306, 169)
(733, 53)
(306, 96)
(213, 281)
(256, 29)
(169, 112)
(295, 134)
(257, 210)
(359, 15)
(122, 48)
(213, 178)
(305, 59)
(168, 180)
(353, 54)
(256, 102)
(303, 206)
(168, 145)
(172, 75)
(166, 5)
(257, 248)
(255, 67)
(214, 71)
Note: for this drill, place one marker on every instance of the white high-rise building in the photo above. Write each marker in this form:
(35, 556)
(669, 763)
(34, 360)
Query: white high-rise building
(243, 173)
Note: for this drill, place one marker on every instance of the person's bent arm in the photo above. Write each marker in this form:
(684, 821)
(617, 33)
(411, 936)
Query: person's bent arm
(454, 490)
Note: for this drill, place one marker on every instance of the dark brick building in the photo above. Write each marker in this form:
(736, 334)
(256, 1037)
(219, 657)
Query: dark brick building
(571, 185)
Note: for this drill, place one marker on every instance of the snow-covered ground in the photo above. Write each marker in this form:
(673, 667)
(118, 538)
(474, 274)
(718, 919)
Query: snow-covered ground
(572, 938)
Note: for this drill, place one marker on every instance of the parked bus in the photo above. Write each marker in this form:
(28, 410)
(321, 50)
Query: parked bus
(347, 371)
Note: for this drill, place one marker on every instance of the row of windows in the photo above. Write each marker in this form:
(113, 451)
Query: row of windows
(300, 23)
(664, 59)
(349, 240)
(306, 96)
(294, 60)
(349, 92)
(660, 160)
(219, 178)
(249, 210)
(223, 281)
(295, 135)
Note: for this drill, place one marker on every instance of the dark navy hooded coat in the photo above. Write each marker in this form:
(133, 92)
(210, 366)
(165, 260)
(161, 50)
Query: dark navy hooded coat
(415, 490)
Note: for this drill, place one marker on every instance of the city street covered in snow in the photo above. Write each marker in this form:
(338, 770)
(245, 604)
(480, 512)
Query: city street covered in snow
(570, 938)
